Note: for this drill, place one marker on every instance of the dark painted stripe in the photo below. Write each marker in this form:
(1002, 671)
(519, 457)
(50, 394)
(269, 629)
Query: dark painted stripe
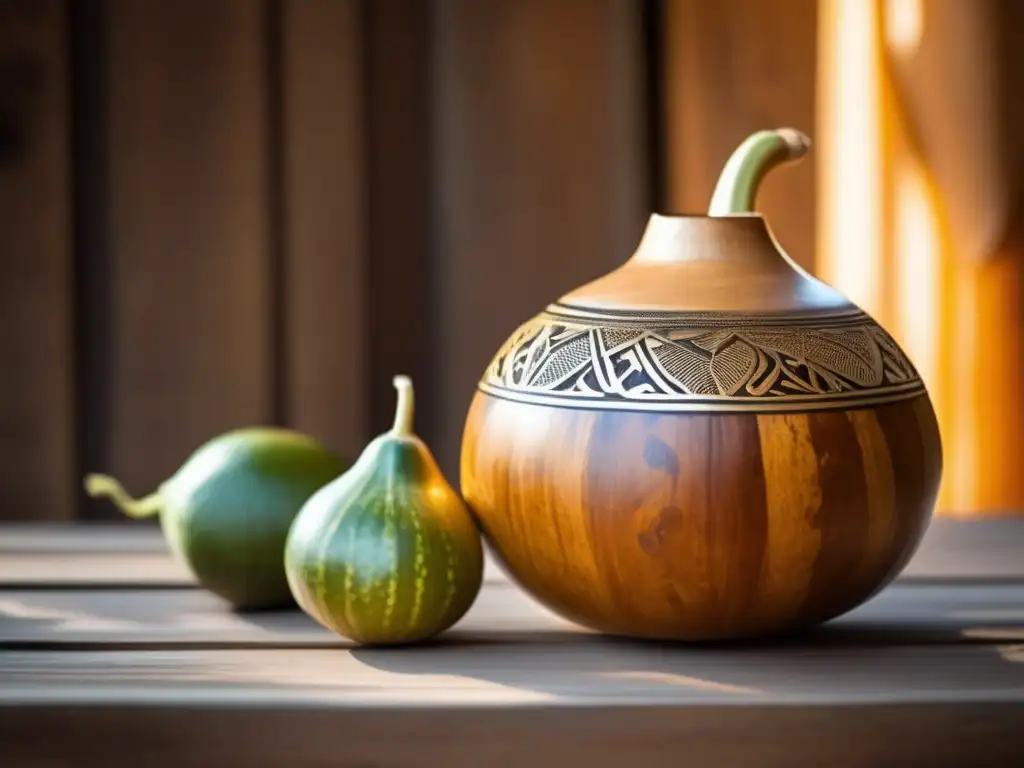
(683, 526)
(737, 524)
(843, 518)
(915, 476)
(931, 437)
(405, 571)
(323, 599)
(348, 609)
(613, 457)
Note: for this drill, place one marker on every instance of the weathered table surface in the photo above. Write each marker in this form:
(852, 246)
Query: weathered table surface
(110, 655)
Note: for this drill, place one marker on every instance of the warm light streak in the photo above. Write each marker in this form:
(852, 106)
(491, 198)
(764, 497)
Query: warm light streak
(850, 167)
(961, 452)
(885, 241)
(917, 241)
(904, 25)
(684, 681)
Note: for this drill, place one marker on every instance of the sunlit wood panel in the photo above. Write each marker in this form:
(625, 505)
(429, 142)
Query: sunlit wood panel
(849, 147)
(938, 220)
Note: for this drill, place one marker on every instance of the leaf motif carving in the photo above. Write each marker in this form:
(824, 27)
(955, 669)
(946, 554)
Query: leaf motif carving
(822, 350)
(711, 340)
(732, 365)
(686, 368)
(763, 364)
(618, 338)
(564, 360)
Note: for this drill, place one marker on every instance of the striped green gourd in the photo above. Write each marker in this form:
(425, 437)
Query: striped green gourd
(227, 510)
(387, 553)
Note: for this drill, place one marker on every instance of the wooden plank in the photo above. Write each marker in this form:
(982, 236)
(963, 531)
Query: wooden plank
(98, 537)
(36, 301)
(733, 67)
(124, 569)
(92, 570)
(193, 619)
(323, 237)
(190, 317)
(902, 615)
(115, 554)
(970, 548)
(508, 674)
(541, 179)
(167, 734)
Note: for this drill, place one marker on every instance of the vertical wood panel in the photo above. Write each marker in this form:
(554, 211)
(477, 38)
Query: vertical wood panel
(324, 239)
(734, 67)
(399, 171)
(189, 261)
(36, 413)
(541, 179)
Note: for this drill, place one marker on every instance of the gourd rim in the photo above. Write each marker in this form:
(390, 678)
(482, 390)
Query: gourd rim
(740, 215)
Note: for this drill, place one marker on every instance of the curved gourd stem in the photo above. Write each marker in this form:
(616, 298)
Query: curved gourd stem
(404, 407)
(741, 177)
(105, 486)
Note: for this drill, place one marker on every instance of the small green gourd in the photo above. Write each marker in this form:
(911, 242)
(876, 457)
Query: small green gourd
(387, 553)
(227, 510)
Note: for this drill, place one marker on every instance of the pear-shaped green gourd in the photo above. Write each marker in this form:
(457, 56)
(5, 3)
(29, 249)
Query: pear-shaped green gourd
(227, 511)
(387, 553)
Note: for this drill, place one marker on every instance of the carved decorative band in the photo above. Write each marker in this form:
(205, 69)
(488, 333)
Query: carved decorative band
(701, 362)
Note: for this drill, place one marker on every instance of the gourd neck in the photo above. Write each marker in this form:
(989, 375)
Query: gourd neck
(738, 239)
(707, 263)
(725, 261)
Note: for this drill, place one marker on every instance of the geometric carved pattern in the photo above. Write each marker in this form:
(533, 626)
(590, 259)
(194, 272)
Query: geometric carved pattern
(700, 361)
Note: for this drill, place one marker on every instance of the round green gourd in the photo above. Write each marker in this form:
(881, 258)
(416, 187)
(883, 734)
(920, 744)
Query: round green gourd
(227, 511)
(387, 553)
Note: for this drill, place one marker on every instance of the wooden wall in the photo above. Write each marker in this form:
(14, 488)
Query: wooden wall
(216, 213)
(226, 212)
(37, 345)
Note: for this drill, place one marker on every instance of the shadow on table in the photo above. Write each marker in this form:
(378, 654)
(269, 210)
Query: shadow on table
(863, 657)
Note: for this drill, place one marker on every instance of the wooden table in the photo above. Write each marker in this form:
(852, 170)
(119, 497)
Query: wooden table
(109, 655)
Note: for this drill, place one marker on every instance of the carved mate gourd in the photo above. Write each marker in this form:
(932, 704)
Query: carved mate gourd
(707, 442)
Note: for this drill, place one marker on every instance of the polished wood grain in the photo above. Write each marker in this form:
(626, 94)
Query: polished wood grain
(703, 525)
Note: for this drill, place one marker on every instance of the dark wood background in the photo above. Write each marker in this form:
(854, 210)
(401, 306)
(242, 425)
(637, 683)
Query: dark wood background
(216, 213)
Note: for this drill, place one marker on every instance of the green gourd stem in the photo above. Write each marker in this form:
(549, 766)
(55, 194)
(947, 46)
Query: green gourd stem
(404, 407)
(746, 168)
(107, 487)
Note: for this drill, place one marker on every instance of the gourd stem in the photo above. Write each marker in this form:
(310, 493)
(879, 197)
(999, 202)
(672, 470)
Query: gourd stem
(736, 191)
(105, 486)
(404, 408)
